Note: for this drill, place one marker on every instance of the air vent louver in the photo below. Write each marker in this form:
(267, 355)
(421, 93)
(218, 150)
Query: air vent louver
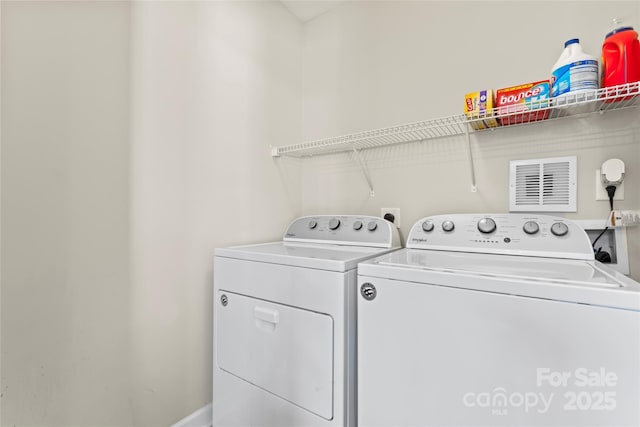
(543, 185)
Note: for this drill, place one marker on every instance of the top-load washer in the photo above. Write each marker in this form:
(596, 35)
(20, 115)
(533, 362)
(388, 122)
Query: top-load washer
(497, 320)
(284, 323)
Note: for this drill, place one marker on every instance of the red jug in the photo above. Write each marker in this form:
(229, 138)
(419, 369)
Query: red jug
(620, 58)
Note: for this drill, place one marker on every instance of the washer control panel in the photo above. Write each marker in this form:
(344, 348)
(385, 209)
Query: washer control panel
(344, 230)
(513, 234)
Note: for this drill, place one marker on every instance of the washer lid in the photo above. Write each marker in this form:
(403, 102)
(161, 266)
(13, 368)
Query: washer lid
(588, 282)
(566, 271)
(308, 255)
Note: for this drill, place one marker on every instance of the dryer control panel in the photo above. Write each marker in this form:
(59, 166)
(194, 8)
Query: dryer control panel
(350, 230)
(511, 234)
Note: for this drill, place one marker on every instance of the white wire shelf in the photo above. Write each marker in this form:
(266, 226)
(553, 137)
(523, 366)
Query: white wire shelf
(565, 106)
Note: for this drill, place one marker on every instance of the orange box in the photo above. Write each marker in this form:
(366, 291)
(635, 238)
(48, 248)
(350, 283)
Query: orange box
(479, 105)
(519, 103)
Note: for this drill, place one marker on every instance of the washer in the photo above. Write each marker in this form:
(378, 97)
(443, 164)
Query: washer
(497, 320)
(284, 323)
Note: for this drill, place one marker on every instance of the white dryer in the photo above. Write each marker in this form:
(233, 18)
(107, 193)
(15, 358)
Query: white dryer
(497, 320)
(284, 323)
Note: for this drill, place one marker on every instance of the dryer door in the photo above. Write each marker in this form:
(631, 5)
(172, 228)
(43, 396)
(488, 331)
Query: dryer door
(284, 350)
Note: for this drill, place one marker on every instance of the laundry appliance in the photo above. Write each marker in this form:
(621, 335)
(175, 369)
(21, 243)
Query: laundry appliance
(284, 323)
(497, 320)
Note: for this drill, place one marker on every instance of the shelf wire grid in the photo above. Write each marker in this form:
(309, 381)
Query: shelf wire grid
(566, 105)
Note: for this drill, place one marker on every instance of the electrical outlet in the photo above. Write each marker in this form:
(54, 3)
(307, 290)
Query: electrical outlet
(601, 193)
(393, 211)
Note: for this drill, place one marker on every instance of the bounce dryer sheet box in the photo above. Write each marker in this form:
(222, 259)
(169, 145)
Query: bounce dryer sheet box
(478, 107)
(519, 103)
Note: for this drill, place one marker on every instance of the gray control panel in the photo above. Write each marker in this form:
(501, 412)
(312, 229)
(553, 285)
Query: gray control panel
(512, 234)
(353, 230)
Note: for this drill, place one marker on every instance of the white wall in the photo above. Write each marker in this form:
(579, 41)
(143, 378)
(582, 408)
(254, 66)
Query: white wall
(65, 214)
(368, 65)
(214, 85)
(135, 140)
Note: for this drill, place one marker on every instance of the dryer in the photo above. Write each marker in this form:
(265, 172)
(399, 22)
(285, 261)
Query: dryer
(497, 320)
(284, 323)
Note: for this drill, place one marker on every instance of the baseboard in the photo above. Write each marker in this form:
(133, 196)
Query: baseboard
(200, 418)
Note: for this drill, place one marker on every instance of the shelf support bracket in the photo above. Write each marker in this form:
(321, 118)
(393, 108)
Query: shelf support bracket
(365, 170)
(474, 185)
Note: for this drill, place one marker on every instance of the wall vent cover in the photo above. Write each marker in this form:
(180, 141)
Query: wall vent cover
(543, 185)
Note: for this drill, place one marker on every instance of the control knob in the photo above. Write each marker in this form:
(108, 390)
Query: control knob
(313, 224)
(448, 225)
(486, 225)
(357, 225)
(334, 223)
(531, 227)
(559, 229)
(372, 226)
(427, 225)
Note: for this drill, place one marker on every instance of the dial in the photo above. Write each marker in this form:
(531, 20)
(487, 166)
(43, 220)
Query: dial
(448, 225)
(372, 226)
(334, 223)
(486, 225)
(357, 225)
(427, 225)
(313, 224)
(531, 227)
(559, 229)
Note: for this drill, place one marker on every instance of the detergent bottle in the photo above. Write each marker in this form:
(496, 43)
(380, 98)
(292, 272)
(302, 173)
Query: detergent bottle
(620, 55)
